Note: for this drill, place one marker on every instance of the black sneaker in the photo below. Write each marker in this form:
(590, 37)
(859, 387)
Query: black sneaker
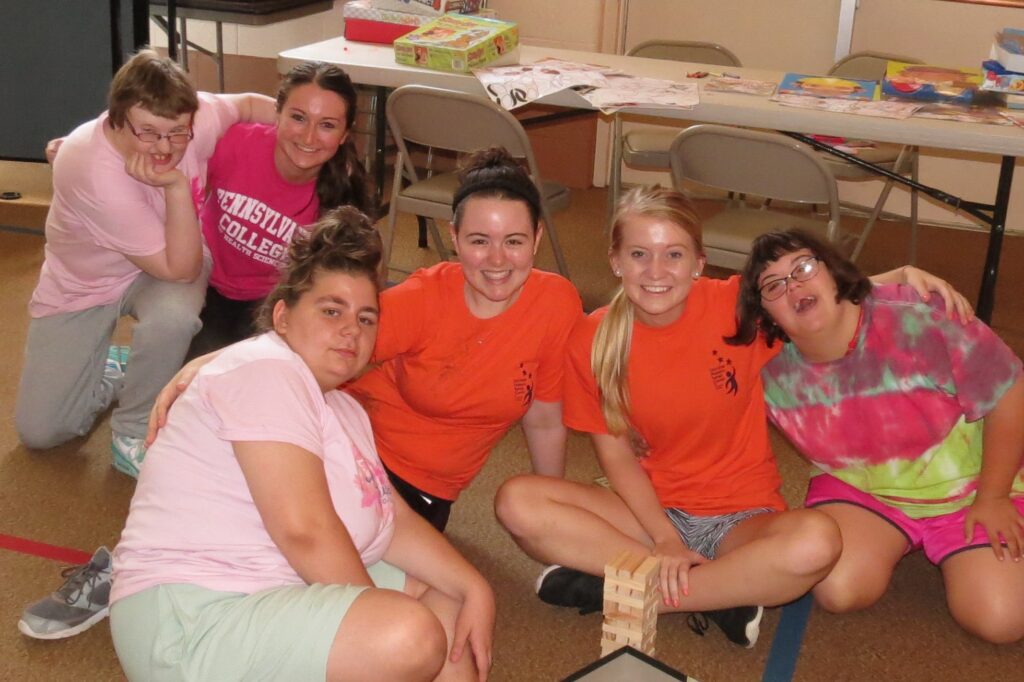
(562, 586)
(741, 624)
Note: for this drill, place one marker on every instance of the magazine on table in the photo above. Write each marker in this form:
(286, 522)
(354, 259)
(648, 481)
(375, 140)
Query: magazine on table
(830, 87)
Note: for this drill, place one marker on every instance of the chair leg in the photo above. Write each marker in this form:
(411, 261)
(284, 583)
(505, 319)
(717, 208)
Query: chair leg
(388, 239)
(905, 154)
(914, 157)
(421, 240)
(549, 227)
(442, 250)
(615, 175)
(875, 212)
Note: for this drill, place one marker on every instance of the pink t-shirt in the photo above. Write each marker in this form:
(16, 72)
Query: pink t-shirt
(192, 519)
(251, 213)
(100, 215)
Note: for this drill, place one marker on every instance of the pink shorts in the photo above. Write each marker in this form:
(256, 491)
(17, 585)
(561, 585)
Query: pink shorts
(940, 536)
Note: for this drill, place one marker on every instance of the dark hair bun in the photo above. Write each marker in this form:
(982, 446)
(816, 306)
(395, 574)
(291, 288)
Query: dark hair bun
(493, 158)
(495, 172)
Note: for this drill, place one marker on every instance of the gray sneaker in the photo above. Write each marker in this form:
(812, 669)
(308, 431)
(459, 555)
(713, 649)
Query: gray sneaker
(81, 602)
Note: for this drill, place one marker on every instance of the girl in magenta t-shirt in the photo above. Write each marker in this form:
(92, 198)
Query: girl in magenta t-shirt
(265, 184)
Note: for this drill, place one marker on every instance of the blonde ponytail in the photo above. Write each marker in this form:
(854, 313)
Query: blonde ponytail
(609, 361)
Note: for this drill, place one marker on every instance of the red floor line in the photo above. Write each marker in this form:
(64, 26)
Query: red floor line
(65, 555)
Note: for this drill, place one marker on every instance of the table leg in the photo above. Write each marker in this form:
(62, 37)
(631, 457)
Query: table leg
(183, 32)
(986, 297)
(220, 55)
(172, 29)
(379, 153)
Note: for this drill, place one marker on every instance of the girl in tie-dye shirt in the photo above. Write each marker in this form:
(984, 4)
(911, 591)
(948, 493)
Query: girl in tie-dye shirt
(915, 422)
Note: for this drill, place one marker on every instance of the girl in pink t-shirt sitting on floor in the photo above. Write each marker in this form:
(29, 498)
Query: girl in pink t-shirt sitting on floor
(264, 539)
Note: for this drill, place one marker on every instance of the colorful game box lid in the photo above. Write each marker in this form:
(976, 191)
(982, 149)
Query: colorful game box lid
(830, 87)
(428, 7)
(458, 42)
(929, 83)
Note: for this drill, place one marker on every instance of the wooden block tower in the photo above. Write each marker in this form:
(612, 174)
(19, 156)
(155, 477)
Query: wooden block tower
(630, 603)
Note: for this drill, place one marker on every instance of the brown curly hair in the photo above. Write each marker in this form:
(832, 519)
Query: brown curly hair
(343, 240)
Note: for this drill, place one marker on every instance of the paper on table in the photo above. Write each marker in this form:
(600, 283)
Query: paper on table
(604, 88)
(883, 109)
(744, 86)
(623, 90)
(513, 86)
(953, 112)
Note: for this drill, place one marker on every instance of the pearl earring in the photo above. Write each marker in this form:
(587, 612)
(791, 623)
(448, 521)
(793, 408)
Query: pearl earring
(696, 275)
(617, 273)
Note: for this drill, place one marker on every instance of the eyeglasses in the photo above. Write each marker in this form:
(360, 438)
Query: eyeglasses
(804, 270)
(149, 136)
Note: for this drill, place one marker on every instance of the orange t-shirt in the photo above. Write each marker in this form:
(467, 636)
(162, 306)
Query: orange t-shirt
(697, 401)
(449, 384)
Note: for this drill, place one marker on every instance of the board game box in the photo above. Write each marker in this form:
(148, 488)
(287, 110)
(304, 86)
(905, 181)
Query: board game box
(459, 43)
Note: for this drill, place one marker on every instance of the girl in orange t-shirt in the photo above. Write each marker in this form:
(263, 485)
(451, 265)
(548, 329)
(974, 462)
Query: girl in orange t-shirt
(468, 349)
(678, 422)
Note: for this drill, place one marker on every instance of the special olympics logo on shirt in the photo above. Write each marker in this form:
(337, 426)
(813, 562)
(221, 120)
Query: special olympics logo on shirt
(723, 374)
(522, 385)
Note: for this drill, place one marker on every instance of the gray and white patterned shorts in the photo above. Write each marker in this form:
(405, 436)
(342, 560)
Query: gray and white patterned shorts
(703, 534)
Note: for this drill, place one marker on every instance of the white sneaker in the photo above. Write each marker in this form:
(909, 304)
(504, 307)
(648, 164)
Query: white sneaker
(113, 373)
(128, 453)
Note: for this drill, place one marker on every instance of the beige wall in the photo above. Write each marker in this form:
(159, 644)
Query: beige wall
(789, 35)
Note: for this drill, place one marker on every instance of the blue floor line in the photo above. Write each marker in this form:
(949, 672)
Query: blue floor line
(788, 637)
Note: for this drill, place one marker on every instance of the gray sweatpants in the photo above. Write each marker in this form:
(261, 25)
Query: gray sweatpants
(60, 392)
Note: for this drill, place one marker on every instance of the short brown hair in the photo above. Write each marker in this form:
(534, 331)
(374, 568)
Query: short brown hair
(751, 317)
(155, 83)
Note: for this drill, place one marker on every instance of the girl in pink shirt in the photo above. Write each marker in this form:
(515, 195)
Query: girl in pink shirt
(264, 539)
(122, 239)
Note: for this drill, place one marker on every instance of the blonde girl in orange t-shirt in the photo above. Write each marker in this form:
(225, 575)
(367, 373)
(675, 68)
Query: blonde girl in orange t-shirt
(716, 554)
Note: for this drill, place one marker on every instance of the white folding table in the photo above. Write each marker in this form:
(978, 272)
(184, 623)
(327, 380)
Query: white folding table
(374, 65)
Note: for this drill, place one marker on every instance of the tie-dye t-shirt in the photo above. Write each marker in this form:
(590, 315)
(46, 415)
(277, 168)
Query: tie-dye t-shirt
(901, 415)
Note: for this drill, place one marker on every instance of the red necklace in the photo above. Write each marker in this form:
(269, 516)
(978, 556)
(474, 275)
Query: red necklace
(856, 332)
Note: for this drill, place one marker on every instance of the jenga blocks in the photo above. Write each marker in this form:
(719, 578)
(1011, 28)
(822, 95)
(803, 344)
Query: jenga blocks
(630, 603)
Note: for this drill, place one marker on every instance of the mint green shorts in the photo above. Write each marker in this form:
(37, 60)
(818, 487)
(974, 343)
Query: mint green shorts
(187, 632)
